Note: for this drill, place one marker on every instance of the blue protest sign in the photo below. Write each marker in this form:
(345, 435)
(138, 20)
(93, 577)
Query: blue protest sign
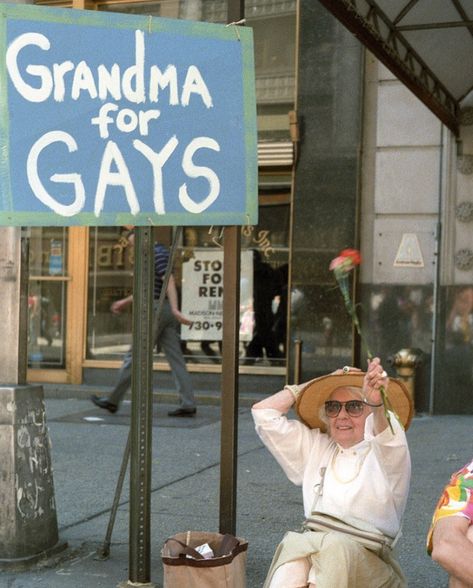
(110, 119)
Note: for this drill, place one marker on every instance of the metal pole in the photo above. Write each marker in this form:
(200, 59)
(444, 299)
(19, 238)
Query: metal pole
(23, 306)
(103, 552)
(297, 361)
(14, 309)
(236, 10)
(436, 288)
(230, 354)
(141, 409)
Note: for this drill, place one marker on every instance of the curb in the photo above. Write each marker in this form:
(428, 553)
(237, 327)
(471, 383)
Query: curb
(83, 392)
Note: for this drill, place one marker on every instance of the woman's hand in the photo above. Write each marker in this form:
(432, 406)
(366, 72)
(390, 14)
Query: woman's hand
(375, 379)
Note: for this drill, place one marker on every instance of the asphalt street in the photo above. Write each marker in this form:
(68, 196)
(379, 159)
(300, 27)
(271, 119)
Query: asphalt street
(87, 449)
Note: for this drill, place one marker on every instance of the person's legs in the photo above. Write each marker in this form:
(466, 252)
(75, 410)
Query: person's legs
(292, 574)
(113, 401)
(209, 352)
(123, 382)
(168, 339)
(254, 350)
(345, 563)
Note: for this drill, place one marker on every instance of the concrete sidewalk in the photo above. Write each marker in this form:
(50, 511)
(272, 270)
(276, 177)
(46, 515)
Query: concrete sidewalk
(87, 454)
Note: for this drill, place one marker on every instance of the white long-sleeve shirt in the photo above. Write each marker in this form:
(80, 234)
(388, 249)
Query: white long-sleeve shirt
(368, 482)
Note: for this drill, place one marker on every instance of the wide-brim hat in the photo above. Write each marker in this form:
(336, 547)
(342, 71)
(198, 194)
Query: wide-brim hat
(312, 398)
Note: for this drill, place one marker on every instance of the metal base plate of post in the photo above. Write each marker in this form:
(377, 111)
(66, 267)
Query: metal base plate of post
(129, 584)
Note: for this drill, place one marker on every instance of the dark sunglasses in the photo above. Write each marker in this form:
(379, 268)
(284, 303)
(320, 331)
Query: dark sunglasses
(353, 407)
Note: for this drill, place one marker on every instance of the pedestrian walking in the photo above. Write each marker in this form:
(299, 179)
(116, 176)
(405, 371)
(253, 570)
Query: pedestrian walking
(165, 337)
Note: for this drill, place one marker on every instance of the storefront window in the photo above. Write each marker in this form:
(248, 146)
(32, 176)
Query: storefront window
(110, 278)
(454, 358)
(198, 272)
(47, 290)
(168, 8)
(263, 290)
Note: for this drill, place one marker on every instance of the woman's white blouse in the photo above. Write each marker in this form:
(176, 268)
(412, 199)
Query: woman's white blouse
(368, 482)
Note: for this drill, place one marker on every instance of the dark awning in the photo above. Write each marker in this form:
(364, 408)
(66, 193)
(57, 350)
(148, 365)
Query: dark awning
(427, 44)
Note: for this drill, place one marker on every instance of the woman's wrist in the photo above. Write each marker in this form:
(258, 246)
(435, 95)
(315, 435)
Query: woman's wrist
(294, 389)
(373, 404)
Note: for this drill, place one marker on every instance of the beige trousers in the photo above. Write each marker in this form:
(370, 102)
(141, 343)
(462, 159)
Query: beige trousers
(331, 560)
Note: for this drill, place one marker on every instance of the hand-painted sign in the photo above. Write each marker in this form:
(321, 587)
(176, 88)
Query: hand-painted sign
(111, 119)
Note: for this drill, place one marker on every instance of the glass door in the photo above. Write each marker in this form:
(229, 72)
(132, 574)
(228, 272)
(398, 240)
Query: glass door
(47, 292)
(56, 303)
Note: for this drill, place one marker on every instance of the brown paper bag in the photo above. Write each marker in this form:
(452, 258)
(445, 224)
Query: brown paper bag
(185, 567)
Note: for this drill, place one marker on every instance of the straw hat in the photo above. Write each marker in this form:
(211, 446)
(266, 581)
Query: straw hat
(313, 396)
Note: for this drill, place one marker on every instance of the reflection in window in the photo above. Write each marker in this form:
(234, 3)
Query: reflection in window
(400, 318)
(166, 8)
(457, 357)
(263, 290)
(110, 278)
(47, 297)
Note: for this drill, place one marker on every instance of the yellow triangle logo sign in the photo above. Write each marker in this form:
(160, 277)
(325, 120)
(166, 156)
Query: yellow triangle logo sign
(409, 253)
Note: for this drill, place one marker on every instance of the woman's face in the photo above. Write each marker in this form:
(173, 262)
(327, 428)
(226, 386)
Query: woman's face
(344, 429)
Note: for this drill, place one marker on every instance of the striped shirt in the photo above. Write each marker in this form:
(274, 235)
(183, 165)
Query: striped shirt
(161, 260)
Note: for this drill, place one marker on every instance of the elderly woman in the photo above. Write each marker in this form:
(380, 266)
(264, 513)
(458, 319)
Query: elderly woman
(354, 468)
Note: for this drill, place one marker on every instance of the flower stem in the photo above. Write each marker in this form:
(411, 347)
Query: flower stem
(387, 407)
(343, 284)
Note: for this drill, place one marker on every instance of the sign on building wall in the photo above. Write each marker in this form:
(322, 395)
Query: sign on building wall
(202, 296)
(111, 119)
(409, 253)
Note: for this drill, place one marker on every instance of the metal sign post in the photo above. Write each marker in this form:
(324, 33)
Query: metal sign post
(141, 409)
(140, 435)
(230, 354)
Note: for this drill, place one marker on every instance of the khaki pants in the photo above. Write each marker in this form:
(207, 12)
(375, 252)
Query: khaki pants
(333, 560)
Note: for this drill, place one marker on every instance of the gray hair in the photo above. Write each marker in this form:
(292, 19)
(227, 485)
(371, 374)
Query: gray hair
(323, 417)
